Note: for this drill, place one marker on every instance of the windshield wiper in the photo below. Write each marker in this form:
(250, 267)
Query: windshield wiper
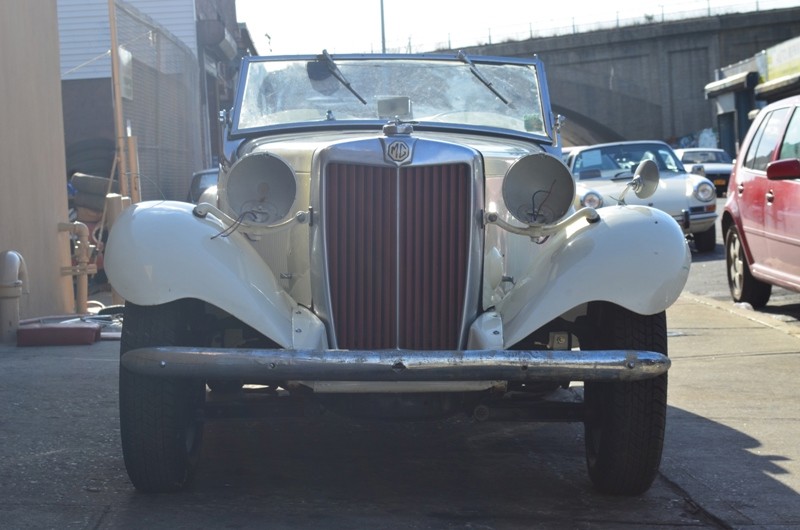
(328, 60)
(474, 69)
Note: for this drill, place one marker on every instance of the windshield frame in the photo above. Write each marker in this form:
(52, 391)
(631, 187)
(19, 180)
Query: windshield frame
(545, 131)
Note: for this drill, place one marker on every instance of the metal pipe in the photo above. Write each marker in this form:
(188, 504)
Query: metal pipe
(83, 267)
(13, 282)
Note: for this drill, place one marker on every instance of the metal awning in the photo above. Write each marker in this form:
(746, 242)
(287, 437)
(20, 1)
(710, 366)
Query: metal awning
(733, 83)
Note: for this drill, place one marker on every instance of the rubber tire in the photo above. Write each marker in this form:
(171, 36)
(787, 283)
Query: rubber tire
(625, 421)
(161, 421)
(706, 241)
(743, 286)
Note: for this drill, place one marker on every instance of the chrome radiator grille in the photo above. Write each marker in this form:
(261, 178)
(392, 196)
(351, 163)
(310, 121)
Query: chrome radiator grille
(398, 250)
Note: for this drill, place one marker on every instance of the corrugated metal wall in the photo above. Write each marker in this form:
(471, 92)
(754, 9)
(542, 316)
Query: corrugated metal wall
(84, 38)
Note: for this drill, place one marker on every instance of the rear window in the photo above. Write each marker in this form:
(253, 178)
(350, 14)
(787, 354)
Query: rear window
(705, 157)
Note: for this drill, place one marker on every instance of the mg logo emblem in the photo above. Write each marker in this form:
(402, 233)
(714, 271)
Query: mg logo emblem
(398, 151)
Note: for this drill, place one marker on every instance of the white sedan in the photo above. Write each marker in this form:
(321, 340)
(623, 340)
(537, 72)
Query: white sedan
(602, 172)
(714, 163)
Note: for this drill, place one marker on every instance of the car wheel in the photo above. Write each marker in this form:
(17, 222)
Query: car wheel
(625, 421)
(744, 287)
(161, 421)
(705, 241)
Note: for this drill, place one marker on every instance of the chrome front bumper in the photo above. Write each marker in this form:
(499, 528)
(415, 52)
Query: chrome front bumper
(696, 222)
(397, 365)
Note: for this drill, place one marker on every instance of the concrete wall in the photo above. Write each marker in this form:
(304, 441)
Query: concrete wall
(647, 81)
(33, 195)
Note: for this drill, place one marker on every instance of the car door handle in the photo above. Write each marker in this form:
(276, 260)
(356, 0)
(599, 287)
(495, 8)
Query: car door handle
(770, 197)
(740, 188)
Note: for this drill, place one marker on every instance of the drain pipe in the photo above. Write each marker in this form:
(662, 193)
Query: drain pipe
(82, 269)
(13, 282)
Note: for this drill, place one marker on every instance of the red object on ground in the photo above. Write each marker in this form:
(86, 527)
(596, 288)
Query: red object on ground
(57, 333)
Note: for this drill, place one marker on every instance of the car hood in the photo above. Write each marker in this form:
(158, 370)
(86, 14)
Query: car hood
(673, 194)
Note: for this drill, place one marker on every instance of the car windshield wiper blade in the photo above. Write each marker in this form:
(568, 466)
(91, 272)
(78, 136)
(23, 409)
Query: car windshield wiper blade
(461, 56)
(328, 60)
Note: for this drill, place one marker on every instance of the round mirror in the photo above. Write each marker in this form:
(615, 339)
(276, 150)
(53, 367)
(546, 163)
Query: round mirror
(645, 180)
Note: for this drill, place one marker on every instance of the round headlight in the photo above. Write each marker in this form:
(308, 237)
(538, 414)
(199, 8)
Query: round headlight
(592, 199)
(260, 188)
(705, 191)
(538, 189)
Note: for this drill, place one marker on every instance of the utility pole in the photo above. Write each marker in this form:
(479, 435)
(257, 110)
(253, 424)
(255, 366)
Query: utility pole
(122, 166)
(383, 31)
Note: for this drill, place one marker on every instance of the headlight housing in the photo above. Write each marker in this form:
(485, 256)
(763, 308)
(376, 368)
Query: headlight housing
(538, 189)
(259, 189)
(592, 199)
(705, 191)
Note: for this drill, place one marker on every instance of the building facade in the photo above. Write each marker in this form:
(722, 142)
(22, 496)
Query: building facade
(178, 61)
(741, 89)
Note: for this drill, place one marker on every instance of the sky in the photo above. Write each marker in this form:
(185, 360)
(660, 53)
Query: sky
(355, 26)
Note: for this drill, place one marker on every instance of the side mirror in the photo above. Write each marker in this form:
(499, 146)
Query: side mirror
(784, 169)
(645, 181)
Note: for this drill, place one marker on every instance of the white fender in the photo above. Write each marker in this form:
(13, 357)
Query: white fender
(635, 256)
(159, 251)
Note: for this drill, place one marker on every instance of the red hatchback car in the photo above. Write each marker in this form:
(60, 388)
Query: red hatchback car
(761, 222)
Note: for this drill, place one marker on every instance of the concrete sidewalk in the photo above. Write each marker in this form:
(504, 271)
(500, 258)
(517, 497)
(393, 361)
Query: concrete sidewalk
(734, 420)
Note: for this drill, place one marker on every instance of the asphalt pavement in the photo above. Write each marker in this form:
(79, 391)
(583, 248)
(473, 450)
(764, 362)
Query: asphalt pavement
(731, 457)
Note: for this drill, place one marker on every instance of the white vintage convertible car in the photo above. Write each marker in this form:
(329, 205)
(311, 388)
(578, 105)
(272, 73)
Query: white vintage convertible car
(395, 236)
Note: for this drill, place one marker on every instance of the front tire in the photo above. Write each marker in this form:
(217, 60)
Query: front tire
(744, 287)
(625, 421)
(161, 420)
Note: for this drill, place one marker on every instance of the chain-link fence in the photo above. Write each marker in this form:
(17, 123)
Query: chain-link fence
(161, 102)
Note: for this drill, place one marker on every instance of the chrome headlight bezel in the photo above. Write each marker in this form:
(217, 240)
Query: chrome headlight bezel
(538, 189)
(592, 199)
(260, 189)
(705, 191)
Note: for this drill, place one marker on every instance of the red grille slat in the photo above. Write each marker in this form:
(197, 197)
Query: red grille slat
(378, 219)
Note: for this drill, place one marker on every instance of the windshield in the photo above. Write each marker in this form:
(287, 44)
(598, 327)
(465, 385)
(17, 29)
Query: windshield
(286, 91)
(621, 160)
(706, 157)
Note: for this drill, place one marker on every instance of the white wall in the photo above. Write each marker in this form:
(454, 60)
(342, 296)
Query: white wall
(85, 36)
(85, 39)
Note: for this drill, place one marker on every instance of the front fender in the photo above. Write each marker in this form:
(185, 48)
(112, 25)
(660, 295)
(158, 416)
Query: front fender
(635, 256)
(159, 251)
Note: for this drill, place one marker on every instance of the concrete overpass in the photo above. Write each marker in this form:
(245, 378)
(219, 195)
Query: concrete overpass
(647, 80)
